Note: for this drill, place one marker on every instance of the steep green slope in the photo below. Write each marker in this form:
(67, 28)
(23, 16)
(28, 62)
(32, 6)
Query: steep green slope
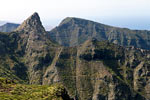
(75, 31)
(11, 63)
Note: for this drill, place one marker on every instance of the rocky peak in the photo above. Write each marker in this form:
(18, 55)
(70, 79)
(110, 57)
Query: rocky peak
(66, 20)
(32, 23)
(75, 20)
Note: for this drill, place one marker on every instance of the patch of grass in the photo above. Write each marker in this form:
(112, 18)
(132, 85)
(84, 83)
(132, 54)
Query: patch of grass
(13, 91)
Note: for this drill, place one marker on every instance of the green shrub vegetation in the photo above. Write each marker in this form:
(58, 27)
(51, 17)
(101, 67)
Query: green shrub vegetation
(9, 90)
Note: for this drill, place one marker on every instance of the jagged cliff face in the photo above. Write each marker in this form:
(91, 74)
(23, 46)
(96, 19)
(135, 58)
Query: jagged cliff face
(75, 31)
(91, 71)
(38, 50)
(27, 50)
(101, 71)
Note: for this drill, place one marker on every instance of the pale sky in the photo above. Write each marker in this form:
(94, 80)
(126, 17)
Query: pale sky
(134, 14)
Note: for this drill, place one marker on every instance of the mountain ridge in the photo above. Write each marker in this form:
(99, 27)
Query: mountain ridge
(92, 70)
(74, 31)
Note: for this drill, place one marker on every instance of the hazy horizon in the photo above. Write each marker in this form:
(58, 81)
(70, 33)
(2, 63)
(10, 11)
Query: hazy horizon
(131, 14)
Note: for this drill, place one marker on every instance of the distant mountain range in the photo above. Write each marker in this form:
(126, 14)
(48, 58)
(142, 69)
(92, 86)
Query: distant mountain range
(2, 23)
(92, 60)
(8, 27)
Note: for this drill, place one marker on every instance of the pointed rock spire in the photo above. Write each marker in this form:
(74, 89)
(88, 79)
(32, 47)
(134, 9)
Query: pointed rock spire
(33, 23)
